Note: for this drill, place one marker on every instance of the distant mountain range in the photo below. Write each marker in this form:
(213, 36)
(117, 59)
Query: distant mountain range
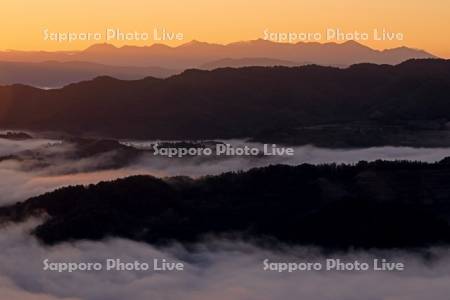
(51, 74)
(195, 54)
(54, 74)
(56, 69)
(236, 103)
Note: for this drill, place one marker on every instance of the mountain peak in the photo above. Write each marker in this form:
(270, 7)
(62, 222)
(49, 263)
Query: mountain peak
(100, 47)
(403, 50)
(355, 44)
(195, 43)
(259, 41)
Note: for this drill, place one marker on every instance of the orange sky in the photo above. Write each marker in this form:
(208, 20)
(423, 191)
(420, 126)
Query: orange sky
(425, 24)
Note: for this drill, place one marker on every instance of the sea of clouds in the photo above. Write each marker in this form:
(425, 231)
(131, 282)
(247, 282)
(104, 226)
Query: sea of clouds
(21, 181)
(214, 269)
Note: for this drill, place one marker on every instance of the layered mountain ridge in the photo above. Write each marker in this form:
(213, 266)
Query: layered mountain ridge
(237, 103)
(195, 54)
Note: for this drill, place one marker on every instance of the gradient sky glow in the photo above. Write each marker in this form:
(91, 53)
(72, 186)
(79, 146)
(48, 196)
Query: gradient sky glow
(425, 23)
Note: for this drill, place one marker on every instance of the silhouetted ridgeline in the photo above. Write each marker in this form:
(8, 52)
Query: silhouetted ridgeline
(233, 103)
(379, 204)
(98, 155)
(53, 74)
(195, 54)
(18, 136)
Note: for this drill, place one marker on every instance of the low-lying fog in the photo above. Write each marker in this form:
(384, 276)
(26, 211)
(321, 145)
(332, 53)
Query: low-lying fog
(216, 269)
(21, 181)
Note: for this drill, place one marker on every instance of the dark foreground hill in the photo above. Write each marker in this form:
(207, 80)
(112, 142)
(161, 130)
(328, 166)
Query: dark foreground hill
(245, 102)
(379, 204)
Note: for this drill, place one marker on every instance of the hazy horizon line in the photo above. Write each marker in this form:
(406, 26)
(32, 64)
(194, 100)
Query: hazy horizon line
(195, 41)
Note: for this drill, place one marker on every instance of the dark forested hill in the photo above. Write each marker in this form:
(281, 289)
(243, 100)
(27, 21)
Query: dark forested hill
(379, 204)
(234, 103)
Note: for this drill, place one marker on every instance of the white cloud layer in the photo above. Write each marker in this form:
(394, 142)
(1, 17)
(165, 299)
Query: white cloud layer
(20, 182)
(216, 269)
